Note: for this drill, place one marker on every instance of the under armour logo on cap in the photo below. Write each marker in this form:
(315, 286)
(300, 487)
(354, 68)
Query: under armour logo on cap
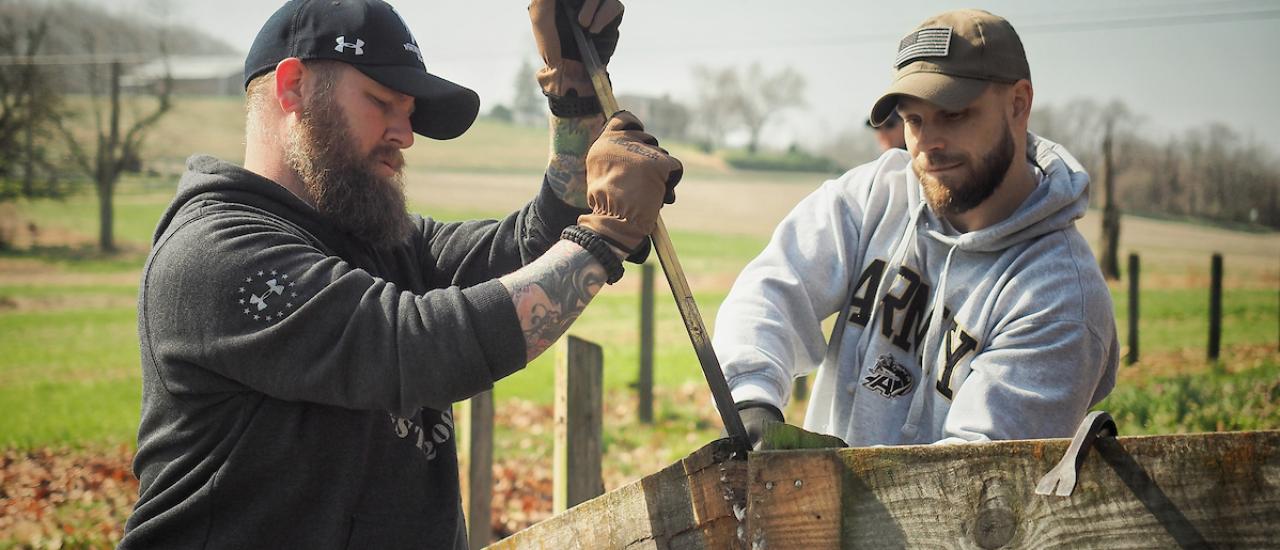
(315, 29)
(927, 42)
(342, 43)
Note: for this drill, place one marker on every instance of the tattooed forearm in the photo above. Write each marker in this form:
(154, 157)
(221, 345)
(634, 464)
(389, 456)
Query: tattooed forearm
(566, 169)
(551, 292)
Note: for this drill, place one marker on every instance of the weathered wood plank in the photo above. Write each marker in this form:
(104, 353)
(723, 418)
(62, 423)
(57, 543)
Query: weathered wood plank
(579, 427)
(793, 501)
(693, 504)
(1188, 491)
(475, 430)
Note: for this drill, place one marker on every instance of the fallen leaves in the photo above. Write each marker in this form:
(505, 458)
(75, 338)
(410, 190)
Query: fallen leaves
(65, 498)
(80, 498)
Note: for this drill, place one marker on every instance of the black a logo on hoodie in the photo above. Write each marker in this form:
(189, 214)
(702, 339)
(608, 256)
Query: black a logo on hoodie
(889, 378)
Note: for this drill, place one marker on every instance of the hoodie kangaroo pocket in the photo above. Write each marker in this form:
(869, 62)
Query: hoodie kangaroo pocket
(396, 532)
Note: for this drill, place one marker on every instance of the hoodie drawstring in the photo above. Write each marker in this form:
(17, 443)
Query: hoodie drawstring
(842, 316)
(929, 351)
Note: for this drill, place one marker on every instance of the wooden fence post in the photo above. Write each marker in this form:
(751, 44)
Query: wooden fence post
(579, 407)
(644, 383)
(1215, 307)
(1133, 310)
(475, 434)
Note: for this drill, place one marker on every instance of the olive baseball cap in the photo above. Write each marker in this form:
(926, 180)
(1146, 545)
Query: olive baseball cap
(951, 58)
(371, 37)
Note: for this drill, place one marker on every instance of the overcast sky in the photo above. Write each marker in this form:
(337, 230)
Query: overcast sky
(1177, 63)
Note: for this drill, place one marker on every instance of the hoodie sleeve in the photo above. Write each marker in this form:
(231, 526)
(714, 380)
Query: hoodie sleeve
(769, 327)
(1036, 381)
(471, 252)
(1052, 355)
(233, 301)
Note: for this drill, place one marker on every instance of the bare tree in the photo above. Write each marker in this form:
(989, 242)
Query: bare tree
(29, 104)
(729, 101)
(528, 105)
(763, 95)
(115, 143)
(717, 92)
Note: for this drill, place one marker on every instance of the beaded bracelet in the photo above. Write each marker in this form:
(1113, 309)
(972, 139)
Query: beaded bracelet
(573, 106)
(599, 249)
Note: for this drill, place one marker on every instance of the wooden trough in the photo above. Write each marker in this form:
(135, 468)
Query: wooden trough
(1178, 491)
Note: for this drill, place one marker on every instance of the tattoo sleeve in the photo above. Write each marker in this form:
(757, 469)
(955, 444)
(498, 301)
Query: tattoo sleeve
(567, 168)
(550, 293)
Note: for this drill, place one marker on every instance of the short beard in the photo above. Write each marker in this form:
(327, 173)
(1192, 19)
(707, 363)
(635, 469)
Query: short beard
(342, 184)
(975, 187)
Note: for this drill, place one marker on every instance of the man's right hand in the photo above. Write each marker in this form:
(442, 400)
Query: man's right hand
(628, 179)
(754, 416)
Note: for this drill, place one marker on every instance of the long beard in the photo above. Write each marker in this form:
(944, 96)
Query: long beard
(968, 190)
(343, 186)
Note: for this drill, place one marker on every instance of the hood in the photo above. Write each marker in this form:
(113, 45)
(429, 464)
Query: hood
(210, 178)
(1061, 198)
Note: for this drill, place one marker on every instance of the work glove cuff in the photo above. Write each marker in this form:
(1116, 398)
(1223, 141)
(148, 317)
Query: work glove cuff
(755, 416)
(569, 90)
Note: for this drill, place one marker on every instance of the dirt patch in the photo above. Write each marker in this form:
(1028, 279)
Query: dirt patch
(1193, 360)
(22, 233)
(1173, 254)
(705, 205)
(59, 303)
(35, 272)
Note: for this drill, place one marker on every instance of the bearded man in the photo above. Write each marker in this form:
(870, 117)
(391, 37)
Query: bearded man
(967, 305)
(303, 337)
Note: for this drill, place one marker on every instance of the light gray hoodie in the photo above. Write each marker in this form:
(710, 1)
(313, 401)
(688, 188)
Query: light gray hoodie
(1024, 345)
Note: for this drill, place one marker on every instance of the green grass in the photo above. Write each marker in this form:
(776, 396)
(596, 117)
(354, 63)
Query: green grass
(88, 413)
(1173, 319)
(1212, 400)
(69, 377)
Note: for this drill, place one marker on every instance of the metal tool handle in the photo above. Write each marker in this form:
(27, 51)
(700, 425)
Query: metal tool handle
(1061, 480)
(670, 264)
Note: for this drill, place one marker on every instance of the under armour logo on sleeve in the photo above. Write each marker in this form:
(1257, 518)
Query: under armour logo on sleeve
(266, 295)
(358, 46)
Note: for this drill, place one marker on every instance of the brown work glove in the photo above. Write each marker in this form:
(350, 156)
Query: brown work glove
(564, 79)
(628, 179)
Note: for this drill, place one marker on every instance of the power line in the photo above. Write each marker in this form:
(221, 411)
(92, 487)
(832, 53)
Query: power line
(79, 59)
(1036, 27)
(1154, 21)
(1109, 24)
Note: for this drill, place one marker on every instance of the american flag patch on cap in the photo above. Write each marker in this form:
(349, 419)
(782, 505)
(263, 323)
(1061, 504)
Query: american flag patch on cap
(927, 42)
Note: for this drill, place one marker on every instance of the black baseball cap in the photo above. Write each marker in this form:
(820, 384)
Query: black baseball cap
(370, 36)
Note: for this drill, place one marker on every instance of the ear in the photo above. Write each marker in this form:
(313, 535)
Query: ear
(1020, 98)
(289, 74)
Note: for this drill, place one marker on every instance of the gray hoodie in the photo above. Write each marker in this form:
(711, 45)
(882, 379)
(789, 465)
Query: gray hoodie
(1023, 344)
(297, 384)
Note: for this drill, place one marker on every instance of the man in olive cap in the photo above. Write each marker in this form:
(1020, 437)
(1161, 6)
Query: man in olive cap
(968, 307)
(303, 337)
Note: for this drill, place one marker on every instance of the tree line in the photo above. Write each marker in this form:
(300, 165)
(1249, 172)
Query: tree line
(1209, 173)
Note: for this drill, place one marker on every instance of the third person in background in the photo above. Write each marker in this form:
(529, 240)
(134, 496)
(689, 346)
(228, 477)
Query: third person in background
(889, 133)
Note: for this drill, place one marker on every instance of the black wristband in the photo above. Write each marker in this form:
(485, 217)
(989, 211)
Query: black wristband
(573, 106)
(593, 243)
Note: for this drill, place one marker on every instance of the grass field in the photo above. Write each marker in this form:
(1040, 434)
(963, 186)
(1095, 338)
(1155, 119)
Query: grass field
(67, 322)
(69, 366)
